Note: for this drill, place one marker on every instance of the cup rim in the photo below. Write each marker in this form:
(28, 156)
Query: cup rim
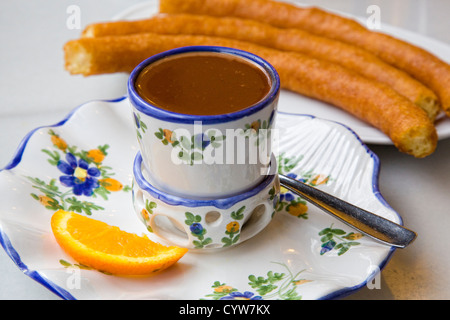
(156, 112)
(220, 203)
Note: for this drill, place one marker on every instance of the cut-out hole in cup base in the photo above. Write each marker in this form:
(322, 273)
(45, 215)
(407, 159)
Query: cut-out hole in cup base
(256, 222)
(139, 199)
(169, 229)
(213, 218)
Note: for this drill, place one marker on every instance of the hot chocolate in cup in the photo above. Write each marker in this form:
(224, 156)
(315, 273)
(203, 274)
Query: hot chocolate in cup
(204, 117)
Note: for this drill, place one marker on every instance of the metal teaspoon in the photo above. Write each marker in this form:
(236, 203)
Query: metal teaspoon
(374, 226)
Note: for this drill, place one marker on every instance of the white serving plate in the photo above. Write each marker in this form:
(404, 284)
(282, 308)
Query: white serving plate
(301, 255)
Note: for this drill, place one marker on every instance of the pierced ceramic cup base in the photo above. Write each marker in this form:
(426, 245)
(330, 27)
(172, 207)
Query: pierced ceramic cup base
(204, 225)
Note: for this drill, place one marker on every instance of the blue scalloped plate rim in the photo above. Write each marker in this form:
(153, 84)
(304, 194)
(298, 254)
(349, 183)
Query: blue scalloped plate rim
(64, 294)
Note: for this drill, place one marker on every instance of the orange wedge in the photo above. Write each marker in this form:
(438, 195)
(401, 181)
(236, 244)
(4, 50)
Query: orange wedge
(107, 248)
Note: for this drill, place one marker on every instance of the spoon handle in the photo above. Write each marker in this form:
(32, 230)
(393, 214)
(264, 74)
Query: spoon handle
(368, 223)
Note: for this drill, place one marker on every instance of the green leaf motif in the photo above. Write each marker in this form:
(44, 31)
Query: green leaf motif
(191, 218)
(336, 239)
(277, 285)
(239, 214)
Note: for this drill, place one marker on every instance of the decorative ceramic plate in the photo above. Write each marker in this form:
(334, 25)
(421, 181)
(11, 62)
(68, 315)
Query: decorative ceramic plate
(302, 254)
(294, 103)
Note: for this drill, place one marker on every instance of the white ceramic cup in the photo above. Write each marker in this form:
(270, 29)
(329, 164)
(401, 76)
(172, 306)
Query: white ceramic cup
(208, 156)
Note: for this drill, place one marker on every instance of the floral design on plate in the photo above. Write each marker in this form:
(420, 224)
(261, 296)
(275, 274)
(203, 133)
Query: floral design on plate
(298, 207)
(82, 173)
(330, 237)
(323, 148)
(272, 286)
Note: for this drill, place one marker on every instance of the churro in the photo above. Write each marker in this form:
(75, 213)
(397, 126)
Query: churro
(422, 65)
(406, 124)
(348, 56)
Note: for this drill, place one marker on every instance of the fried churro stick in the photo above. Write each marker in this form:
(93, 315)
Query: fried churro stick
(422, 65)
(405, 123)
(349, 56)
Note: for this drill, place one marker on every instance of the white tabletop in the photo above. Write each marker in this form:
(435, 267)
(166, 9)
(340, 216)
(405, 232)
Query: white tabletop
(35, 90)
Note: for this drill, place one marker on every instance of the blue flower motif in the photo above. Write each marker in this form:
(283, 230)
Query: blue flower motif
(246, 295)
(202, 140)
(78, 176)
(327, 246)
(196, 228)
(287, 197)
(292, 175)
